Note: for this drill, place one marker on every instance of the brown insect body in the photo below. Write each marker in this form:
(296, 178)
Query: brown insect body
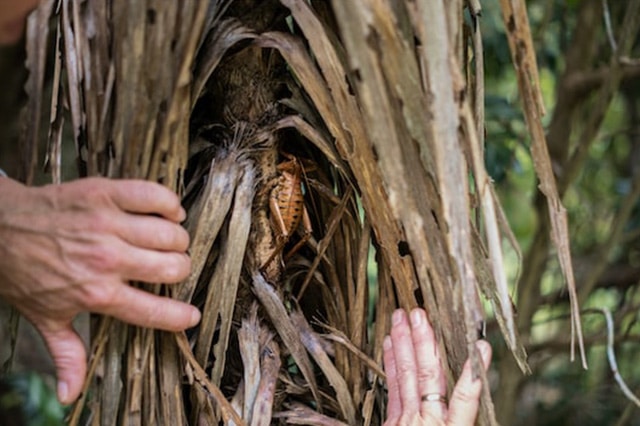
(289, 198)
(287, 207)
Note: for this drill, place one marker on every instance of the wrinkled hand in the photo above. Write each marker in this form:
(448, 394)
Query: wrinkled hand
(413, 368)
(73, 247)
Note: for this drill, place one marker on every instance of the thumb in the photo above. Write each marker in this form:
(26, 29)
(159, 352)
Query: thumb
(69, 356)
(465, 399)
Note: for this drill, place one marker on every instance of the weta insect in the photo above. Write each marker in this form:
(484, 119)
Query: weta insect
(286, 205)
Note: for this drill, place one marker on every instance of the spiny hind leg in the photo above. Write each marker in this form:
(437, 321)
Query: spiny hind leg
(282, 235)
(306, 234)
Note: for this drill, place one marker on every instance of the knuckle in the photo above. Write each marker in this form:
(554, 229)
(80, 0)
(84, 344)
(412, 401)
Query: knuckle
(427, 374)
(99, 297)
(81, 195)
(410, 419)
(401, 331)
(156, 195)
(405, 369)
(156, 315)
(142, 190)
(173, 237)
(94, 182)
(96, 189)
(421, 336)
(401, 337)
(100, 222)
(183, 239)
(178, 269)
(152, 190)
(103, 258)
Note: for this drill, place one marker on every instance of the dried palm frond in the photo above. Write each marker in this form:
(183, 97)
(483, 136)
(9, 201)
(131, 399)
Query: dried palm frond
(373, 100)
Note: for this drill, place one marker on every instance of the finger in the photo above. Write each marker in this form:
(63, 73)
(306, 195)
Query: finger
(153, 266)
(70, 359)
(394, 405)
(138, 196)
(430, 374)
(406, 369)
(152, 232)
(465, 398)
(141, 308)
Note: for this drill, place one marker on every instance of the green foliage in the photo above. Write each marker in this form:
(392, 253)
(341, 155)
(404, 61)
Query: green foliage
(560, 392)
(26, 400)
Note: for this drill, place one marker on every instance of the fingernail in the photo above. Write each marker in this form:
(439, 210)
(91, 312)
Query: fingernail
(398, 316)
(386, 343)
(63, 392)
(183, 214)
(416, 317)
(195, 317)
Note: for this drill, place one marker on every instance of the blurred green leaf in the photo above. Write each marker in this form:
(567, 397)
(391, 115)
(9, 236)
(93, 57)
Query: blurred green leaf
(26, 400)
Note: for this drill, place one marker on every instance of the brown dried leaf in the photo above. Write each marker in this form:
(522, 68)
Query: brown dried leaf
(223, 285)
(270, 366)
(36, 47)
(523, 55)
(299, 414)
(222, 37)
(492, 228)
(286, 330)
(249, 341)
(228, 413)
(337, 381)
(207, 215)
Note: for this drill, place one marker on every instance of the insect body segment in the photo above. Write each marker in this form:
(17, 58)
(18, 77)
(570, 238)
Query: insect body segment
(289, 208)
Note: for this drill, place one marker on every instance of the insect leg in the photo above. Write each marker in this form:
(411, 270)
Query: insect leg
(306, 234)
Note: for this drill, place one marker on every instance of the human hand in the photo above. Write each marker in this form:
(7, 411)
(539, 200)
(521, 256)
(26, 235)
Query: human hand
(416, 380)
(69, 248)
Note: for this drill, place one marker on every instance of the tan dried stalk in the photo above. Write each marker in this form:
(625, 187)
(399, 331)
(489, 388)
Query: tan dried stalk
(524, 58)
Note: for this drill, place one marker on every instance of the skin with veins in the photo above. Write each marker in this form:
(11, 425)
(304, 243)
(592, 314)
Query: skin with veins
(74, 248)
